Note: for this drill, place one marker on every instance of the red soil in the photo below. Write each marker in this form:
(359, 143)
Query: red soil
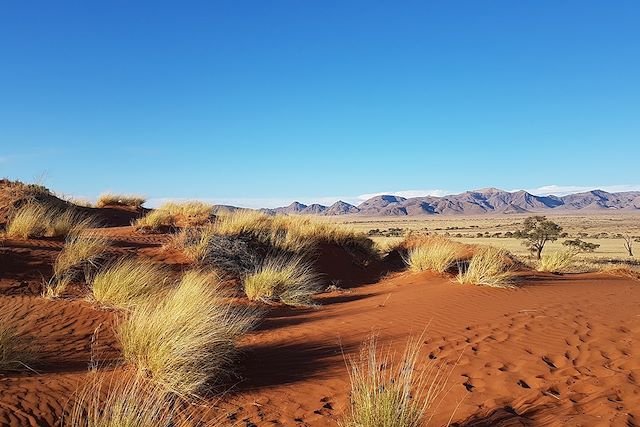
(561, 350)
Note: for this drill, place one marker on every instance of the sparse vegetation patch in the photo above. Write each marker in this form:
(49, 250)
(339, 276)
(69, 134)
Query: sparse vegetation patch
(391, 393)
(40, 220)
(489, 266)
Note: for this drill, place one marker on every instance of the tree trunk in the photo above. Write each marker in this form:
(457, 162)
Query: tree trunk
(539, 252)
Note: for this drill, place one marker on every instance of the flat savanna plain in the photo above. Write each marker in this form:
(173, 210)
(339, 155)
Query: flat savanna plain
(483, 230)
(557, 349)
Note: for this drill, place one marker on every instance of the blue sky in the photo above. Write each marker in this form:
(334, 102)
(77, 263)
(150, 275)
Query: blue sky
(258, 103)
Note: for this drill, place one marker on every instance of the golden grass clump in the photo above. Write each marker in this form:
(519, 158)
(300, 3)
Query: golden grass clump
(185, 341)
(557, 261)
(188, 214)
(128, 283)
(291, 281)
(14, 348)
(80, 251)
(132, 402)
(435, 254)
(28, 221)
(385, 393)
(489, 266)
(69, 222)
(39, 220)
(296, 234)
(109, 199)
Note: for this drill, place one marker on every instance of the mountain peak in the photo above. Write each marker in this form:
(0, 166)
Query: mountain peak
(489, 190)
(482, 201)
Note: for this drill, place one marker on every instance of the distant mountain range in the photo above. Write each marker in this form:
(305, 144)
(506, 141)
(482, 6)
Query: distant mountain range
(477, 202)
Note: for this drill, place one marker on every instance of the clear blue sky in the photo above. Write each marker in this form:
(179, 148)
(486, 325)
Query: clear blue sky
(260, 101)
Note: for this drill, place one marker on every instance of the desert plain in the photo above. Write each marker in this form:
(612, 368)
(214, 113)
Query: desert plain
(557, 348)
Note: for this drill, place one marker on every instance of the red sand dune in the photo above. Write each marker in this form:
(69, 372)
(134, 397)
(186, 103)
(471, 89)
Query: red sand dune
(561, 350)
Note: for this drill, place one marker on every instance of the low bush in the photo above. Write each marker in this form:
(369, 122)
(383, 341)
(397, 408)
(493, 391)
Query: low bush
(236, 255)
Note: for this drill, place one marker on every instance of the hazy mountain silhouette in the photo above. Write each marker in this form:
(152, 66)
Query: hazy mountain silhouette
(476, 202)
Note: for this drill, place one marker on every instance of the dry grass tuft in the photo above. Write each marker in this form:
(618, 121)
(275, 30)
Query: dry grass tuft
(557, 261)
(133, 402)
(185, 341)
(40, 220)
(29, 221)
(385, 393)
(291, 281)
(80, 252)
(489, 266)
(57, 286)
(128, 283)
(436, 254)
(14, 348)
(109, 199)
(188, 214)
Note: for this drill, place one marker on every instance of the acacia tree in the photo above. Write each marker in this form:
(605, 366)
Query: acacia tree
(628, 244)
(536, 232)
(580, 245)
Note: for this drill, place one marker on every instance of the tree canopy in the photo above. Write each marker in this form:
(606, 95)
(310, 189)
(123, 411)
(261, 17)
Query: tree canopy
(536, 232)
